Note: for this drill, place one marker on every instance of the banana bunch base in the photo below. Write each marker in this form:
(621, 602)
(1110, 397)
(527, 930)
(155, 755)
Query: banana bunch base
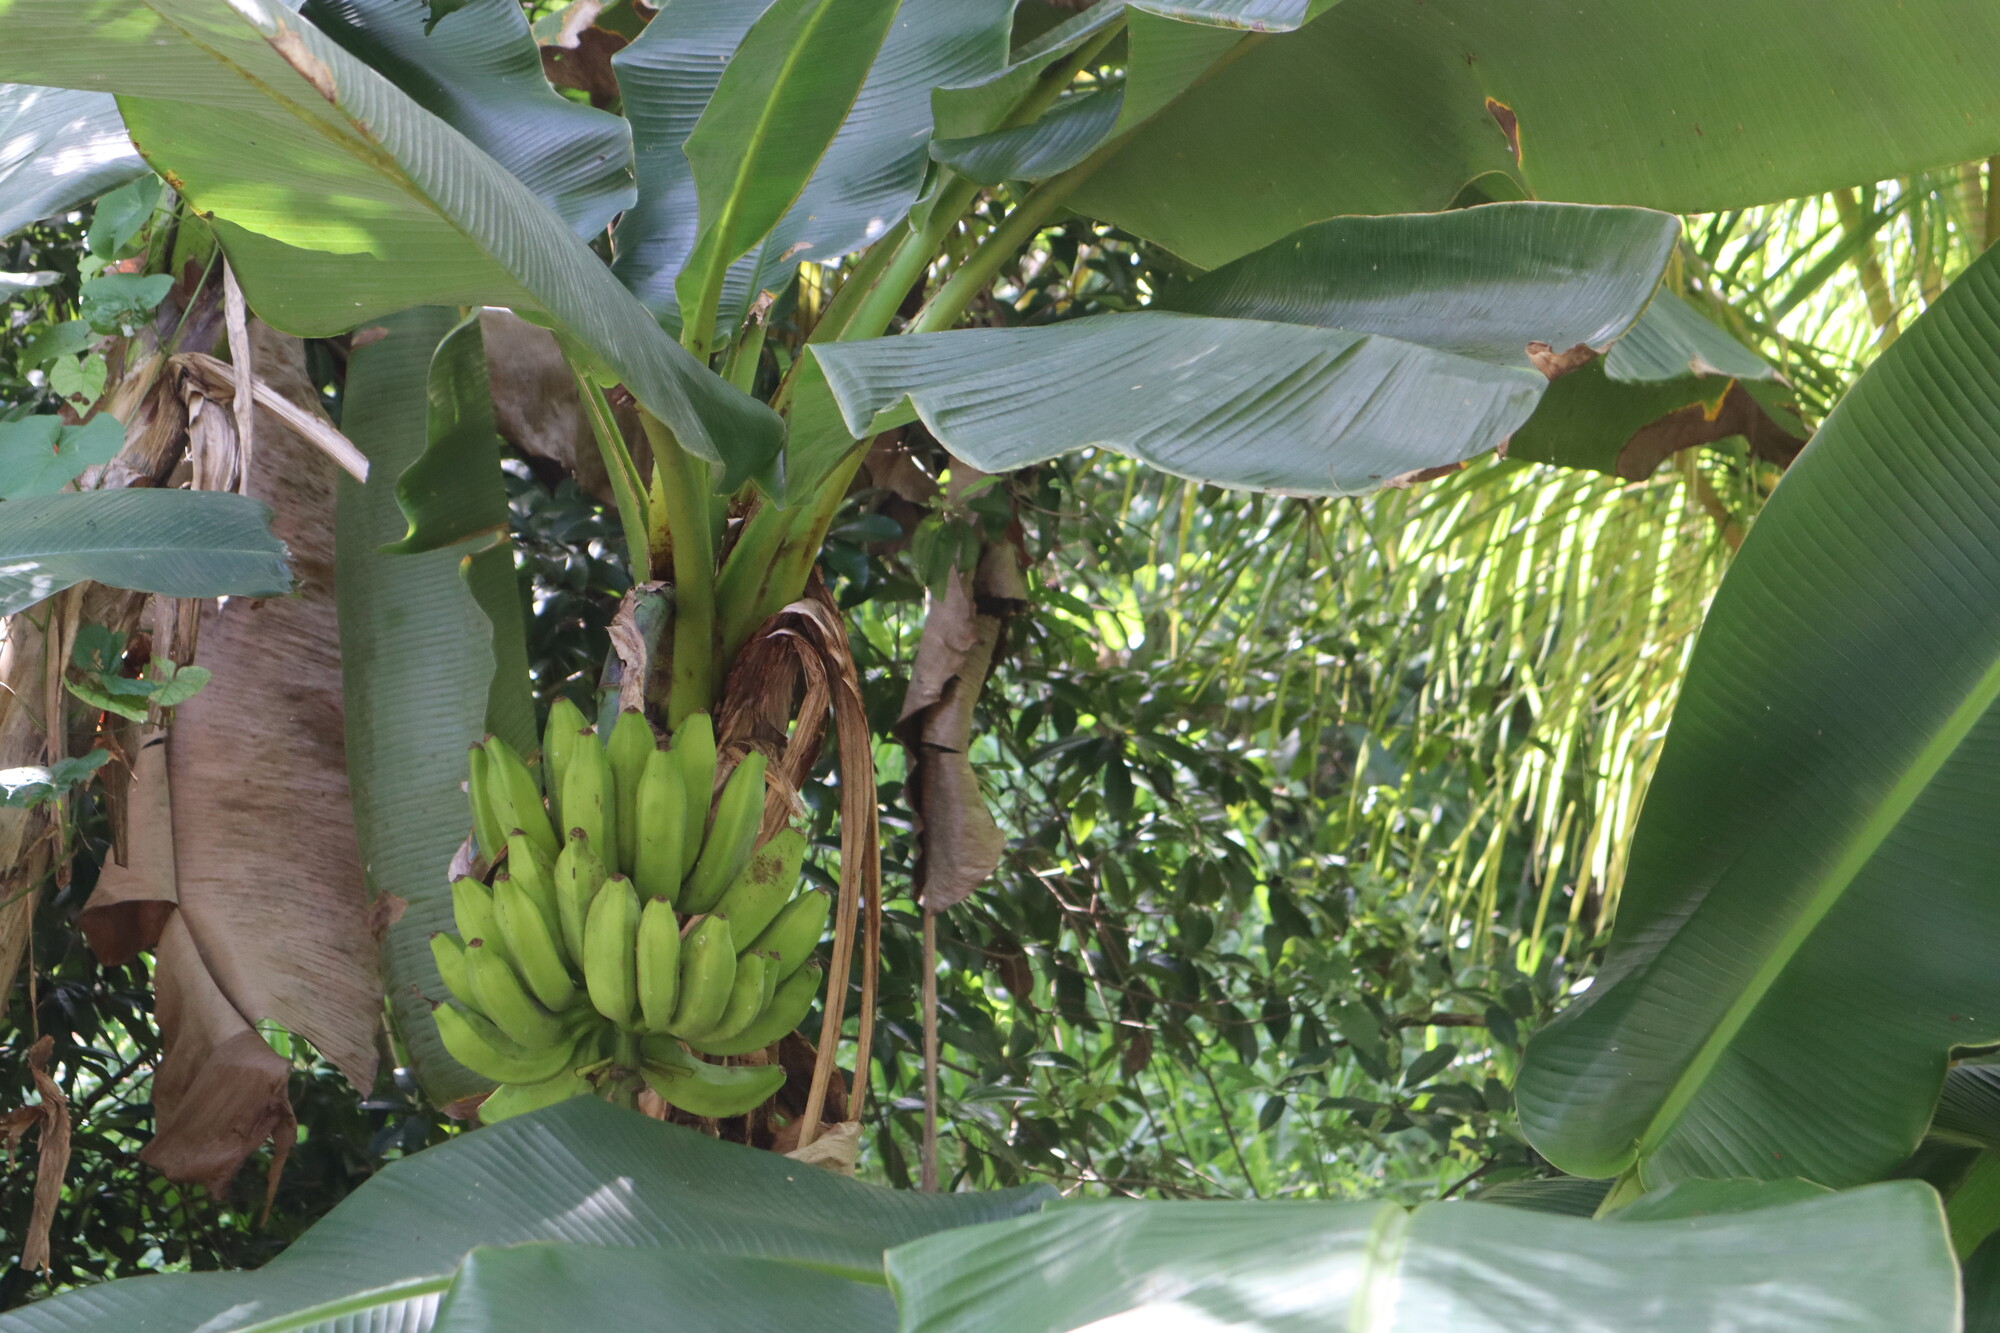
(629, 928)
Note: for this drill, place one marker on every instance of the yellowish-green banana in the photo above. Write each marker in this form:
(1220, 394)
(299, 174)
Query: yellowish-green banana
(537, 956)
(487, 829)
(448, 951)
(518, 796)
(560, 738)
(694, 750)
(788, 1008)
(659, 824)
(479, 1044)
(497, 992)
(659, 956)
(764, 887)
(610, 951)
(708, 973)
(631, 744)
(746, 998)
(579, 875)
(472, 912)
(732, 837)
(794, 933)
(703, 1089)
(590, 804)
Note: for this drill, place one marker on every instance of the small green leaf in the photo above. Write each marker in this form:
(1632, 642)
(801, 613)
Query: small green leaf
(55, 340)
(40, 455)
(120, 216)
(177, 685)
(80, 379)
(97, 691)
(120, 302)
(22, 788)
(1429, 1064)
(97, 649)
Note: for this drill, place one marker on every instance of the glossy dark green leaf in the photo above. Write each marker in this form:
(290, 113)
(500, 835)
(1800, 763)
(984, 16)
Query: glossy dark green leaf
(339, 199)
(1807, 901)
(58, 148)
(1384, 106)
(1415, 354)
(581, 1173)
(177, 543)
(1870, 1259)
(1063, 137)
(481, 73)
(424, 672)
(453, 490)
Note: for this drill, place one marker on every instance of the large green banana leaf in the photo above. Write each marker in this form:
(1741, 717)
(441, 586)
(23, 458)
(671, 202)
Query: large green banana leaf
(340, 199)
(1869, 1260)
(618, 1194)
(176, 543)
(481, 73)
(1808, 924)
(58, 148)
(1389, 106)
(1348, 355)
(423, 677)
(864, 182)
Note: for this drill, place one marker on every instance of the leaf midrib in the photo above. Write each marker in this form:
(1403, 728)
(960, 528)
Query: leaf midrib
(1861, 848)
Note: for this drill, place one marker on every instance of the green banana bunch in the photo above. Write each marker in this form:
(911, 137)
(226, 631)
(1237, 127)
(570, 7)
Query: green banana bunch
(568, 978)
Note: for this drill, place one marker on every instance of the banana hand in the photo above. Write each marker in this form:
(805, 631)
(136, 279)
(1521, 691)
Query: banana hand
(732, 837)
(788, 1008)
(764, 887)
(501, 997)
(796, 931)
(703, 1089)
(480, 1046)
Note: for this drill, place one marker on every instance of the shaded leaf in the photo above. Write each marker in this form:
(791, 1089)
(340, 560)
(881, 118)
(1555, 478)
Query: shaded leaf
(58, 148)
(481, 73)
(453, 490)
(1380, 106)
(422, 675)
(180, 543)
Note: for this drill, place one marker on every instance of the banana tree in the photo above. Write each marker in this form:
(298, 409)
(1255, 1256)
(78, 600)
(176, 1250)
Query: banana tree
(376, 171)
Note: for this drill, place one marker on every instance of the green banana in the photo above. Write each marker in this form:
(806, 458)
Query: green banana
(579, 875)
(559, 741)
(746, 998)
(487, 828)
(518, 796)
(479, 1044)
(610, 951)
(659, 956)
(795, 932)
(659, 823)
(788, 1008)
(732, 837)
(630, 745)
(499, 994)
(590, 804)
(764, 887)
(472, 911)
(512, 1099)
(537, 956)
(694, 751)
(708, 972)
(703, 1089)
(534, 873)
(449, 952)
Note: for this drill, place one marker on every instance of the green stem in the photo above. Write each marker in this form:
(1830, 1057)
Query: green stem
(1002, 244)
(626, 486)
(740, 367)
(774, 556)
(682, 481)
(1623, 1190)
(860, 280)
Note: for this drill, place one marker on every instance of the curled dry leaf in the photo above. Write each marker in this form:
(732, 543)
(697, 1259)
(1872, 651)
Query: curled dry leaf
(958, 842)
(50, 1119)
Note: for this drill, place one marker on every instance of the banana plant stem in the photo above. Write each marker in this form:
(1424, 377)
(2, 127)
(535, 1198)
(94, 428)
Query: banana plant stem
(775, 553)
(682, 482)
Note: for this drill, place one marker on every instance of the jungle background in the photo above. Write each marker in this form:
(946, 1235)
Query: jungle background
(1314, 807)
